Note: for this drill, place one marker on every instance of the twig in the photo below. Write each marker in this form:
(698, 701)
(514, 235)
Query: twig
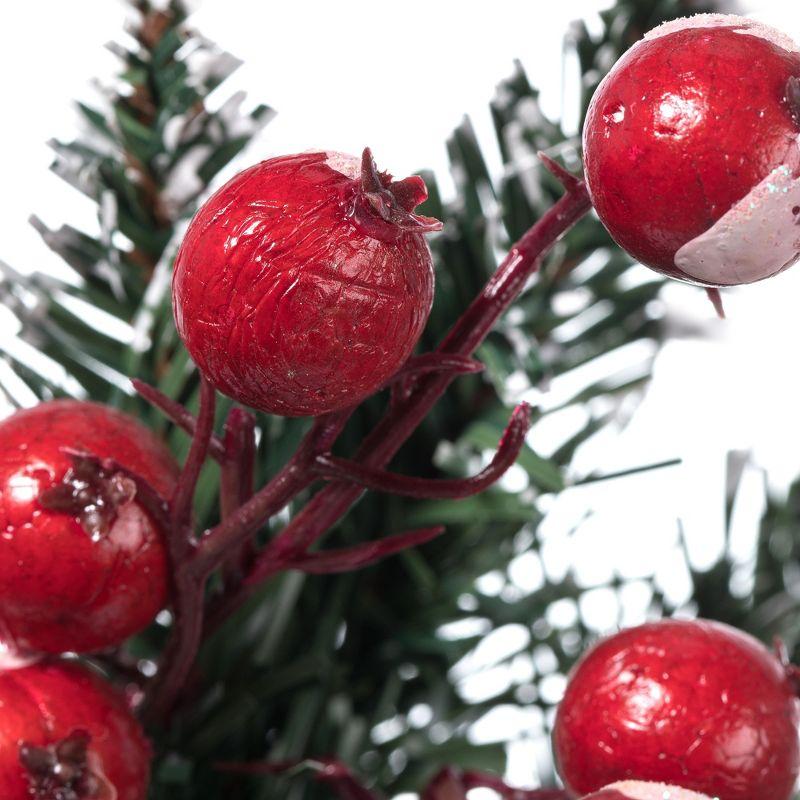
(175, 412)
(236, 486)
(381, 480)
(347, 559)
(187, 591)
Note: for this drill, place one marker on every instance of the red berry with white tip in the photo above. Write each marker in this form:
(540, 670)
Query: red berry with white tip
(82, 560)
(693, 704)
(692, 150)
(304, 283)
(66, 735)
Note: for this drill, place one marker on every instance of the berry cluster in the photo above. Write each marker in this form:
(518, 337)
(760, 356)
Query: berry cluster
(301, 288)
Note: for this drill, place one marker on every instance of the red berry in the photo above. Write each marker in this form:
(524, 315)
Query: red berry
(82, 563)
(66, 735)
(303, 284)
(692, 150)
(639, 790)
(694, 704)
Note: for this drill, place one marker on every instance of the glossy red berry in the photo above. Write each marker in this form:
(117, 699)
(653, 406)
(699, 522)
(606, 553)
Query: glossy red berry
(82, 562)
(692, 150)
(304, 283)
(693, 704)
(66, 735)
(640, 790)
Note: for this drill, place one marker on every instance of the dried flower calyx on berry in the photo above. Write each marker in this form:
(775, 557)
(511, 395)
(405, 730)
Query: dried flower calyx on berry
(90, 492)
(62, 771)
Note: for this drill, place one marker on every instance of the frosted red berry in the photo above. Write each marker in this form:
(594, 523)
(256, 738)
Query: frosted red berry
(692, 150)
(304, 283)
(82, 561)
(693, 704)
(66, 735)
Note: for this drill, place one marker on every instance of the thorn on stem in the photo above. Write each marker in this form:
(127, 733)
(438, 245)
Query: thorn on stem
(715, 297)
(569, 181)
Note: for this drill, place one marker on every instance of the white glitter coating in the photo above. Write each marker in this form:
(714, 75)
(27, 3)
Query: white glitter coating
(348, 165)
(739, 24)
(758, 237)
(641, 790)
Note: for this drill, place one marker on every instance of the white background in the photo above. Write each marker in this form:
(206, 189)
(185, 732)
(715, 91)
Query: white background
(399, 77)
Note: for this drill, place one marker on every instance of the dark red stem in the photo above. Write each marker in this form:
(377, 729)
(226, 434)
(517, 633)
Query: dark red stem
(290, 481)
(182, 499)
(193, 562)
(328, 466)
(175, 412)
(347, 559)
(332, 502)
(187, 591)
(436, 362)
(236, 485)
(715, 297)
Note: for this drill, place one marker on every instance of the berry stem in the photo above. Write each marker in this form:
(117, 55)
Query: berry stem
(236, 485)
(381, 480)
(175, 412)
(346, 559)
(181, 503)
(187, 591)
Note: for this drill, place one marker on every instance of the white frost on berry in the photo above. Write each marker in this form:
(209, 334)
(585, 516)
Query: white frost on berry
(641, 790)
(758, 237)
(739, 24)
(348, 165)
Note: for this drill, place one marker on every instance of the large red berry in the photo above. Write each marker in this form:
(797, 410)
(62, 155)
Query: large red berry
(692, 150)
(693, 704)
(303, 284)
(82, 562)
(66, 735)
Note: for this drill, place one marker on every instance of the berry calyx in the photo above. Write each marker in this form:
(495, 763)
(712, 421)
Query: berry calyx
(82, 559)
(694, 704)
(66, 735)
(383, 207)
(304, 283)
(640, 790)
(61, 771)
(692, 150)
(90, 493)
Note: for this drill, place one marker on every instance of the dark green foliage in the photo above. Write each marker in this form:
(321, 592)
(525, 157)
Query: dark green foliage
(312, 665)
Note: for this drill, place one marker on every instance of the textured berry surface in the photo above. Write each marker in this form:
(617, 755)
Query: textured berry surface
(47, 703)
(89, 570)
(640, 790)
(693, 704)
(691, 150)
(298, 292)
